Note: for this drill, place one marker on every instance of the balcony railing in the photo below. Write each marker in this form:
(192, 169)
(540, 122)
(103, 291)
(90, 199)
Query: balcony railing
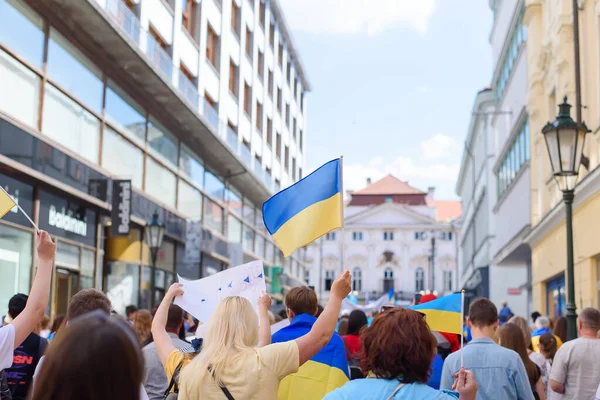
(159, 57)
(246, 156)
(258, 169)
(126, 19)
(189, 90)
(232, 139)
(267, 179)
(211, 114)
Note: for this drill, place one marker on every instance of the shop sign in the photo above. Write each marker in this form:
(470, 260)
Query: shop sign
(65, 220)
(513, 291)
(121, 208)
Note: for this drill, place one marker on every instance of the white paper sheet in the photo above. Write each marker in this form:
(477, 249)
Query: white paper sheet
(276, 327)
(202, 296)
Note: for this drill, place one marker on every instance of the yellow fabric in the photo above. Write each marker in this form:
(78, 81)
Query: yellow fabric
(6, 203)
(535, 343)
(254, 374)
(309, 224)
(173, 361)
(312, 381)
(443, 321)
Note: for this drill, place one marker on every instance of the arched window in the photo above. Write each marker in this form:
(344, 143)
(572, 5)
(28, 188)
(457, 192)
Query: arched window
(419, 280)
(357, 279)
(388, 280)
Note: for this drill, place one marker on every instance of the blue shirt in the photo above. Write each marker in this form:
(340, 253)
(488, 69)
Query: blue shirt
(499, 372)
(436, 372)
(378, 389)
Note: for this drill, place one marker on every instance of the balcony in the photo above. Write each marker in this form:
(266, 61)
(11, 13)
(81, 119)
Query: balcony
(125, 18)
(232, 139)
(246, 156)
(267, 179)
(159, 57)
(189, 90)
(212, 115)
(258, 170)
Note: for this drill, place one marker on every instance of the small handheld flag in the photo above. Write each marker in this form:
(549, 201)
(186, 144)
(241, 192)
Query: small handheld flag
(7, 203)
(443, 314)
(307, 210)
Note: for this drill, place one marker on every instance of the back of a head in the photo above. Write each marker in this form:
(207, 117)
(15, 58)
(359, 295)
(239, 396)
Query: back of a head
(534, 316)
(511, 337)
(356, 321)
(343, 327)
(548, 344)
(524, 326)
(398, 343)
(130, 309)
(560, 328)
(174, 318)
(232, 327)
(142, 325)
(590, 319)
(58, 322)
(320, 310)
(95, 357)
(482, 313)
(302, 300)
(86, 301)
(17, 304)
(542, 322)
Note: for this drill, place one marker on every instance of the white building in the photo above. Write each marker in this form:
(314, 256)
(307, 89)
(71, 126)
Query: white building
(494, 180)
(391, 232)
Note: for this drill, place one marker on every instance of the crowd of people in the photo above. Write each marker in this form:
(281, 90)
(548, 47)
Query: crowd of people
(94, 353)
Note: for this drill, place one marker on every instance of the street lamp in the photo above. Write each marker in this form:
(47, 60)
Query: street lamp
(155, 232)
(564, 140)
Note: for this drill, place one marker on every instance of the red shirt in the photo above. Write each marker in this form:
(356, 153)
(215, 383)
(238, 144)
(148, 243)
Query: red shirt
(352, 345)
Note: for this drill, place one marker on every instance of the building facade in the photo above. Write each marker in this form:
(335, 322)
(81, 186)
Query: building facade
(551, 76)
(397, 238)
(201, 105)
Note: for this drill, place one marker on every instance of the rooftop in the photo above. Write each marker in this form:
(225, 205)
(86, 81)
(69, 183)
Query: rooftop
(446, 210)
(389, 185)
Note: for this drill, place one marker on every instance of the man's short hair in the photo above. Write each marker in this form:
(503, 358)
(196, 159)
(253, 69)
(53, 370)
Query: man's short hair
(129, 310)
(302, 300)
(17, 304)
(174, 318)
(88, 300)
(590, 318)
(482, 312)
(542, 322)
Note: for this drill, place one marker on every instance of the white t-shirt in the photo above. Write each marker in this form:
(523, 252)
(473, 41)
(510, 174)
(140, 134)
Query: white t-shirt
(576, 366)
(7, 346)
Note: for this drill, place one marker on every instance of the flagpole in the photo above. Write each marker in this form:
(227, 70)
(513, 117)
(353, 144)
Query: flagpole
(462, 327)
(342, 211)
(19, 207)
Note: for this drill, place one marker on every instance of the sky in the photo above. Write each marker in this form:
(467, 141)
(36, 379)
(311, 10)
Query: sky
(393, 84)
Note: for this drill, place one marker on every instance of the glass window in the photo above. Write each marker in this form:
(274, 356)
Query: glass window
(15, 261)
(161, 141)
(122, 284)
(527, 140)
(210, 265)
(234, 229)
(160, 182)
(73, 72)
(165, 258)
(67, 255)
(124, 113)
(86, 279)
(71, 125)
(248, 238)
(191, 166)
(20, 88)
(248, 211)
(189, 201)
(21, 30)
(213, 215)
(269, 252)
(146, 288)
(214, 186)
(122, 158)
(259, 246)
(233, 201)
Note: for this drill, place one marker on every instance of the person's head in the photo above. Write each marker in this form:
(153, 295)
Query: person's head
(45, 322)
(92, 342)
(522, 324)
(301, 300)
(142, 325)
(130, 311)
(174, 319)
(356, 321)
(232, 328)
(542, 322)
(483, 317)
(511, 337)
(343, 326)
(16, 305)
(319, 310)
(560, 328)
(86, 301)
(588, 322)
(58, 323)
(398, 343)
(534, 316)
(504, 303)
(548, 345)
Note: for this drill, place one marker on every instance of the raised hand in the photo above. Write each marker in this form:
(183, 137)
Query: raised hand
(46, 248)
(342, 286)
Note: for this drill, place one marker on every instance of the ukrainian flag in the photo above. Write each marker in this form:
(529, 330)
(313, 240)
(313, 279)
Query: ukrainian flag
(6, 202)
(307, 210)
(443, 314)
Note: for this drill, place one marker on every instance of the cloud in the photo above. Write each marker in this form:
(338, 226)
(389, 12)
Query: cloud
(439, 147)
(344, 17)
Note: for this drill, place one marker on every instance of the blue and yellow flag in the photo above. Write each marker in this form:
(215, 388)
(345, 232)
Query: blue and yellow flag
(6, 203)
(307, 210)
(443, 314)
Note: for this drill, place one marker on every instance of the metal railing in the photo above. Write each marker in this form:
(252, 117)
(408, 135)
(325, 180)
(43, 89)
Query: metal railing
(159, 57)
(127, 20)
(267, 179)
(258, 169)
(211, 114)
(189, 90)
(245, 154)
(232, 139)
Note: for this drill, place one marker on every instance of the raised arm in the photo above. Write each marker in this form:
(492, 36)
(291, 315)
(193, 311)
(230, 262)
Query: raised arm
(164, 345)
(264, 329)
(37, 302)
(322, 330)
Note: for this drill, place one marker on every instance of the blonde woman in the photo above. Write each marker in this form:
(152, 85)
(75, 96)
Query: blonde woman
(229, 365)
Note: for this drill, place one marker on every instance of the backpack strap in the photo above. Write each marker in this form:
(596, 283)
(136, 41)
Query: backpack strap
(174, 379)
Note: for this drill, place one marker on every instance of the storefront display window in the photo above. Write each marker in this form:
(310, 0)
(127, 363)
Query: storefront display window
(15, 262)
(86, 279)
(122, 284)
(67, 255)
(555, 297)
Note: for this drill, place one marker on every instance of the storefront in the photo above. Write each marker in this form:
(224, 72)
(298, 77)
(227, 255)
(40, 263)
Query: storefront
(555, 297)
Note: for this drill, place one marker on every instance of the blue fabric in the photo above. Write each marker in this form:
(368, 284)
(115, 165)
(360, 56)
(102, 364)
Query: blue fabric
(505, 314)
(333, 354)
(540, 332)
(378, 389)
(467, 334)
(499, 372)
(436, 372)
